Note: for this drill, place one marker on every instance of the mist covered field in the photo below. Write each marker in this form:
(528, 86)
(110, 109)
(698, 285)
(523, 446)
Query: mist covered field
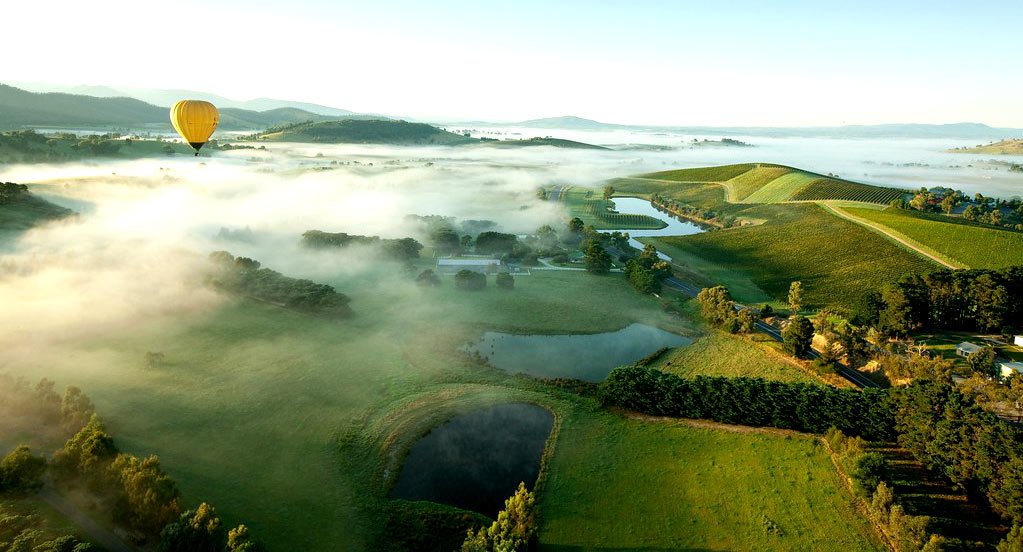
(296, 424)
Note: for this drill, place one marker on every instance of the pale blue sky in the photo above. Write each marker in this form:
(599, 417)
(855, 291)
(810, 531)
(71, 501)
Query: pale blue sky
(682, 63)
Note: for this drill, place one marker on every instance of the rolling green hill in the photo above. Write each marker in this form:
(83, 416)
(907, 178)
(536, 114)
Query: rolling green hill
(370, 131)
(19, 108)
(768, 183)
(555, 142)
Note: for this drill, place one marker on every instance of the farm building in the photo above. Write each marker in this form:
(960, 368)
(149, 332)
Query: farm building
(966, 348)
(485, 266)
(1009, 368)
(1018, 341)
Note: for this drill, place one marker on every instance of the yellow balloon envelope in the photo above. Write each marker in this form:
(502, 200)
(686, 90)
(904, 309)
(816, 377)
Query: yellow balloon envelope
(195, 121)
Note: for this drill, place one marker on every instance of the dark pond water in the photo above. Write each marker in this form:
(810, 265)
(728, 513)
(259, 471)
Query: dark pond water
(476, 460)
(587, 357)
(675, 227)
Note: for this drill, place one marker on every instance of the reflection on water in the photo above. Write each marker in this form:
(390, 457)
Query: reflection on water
(587, 357)
(477, 460)
(636, 206)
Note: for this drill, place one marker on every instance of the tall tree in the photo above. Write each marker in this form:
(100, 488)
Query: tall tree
(597, 259)
(795, 296)
(798, 336)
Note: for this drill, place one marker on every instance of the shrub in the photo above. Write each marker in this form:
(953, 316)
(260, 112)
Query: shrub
(505, 280)
(470, 280)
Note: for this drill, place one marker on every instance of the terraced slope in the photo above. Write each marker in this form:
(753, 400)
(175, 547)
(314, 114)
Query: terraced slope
(768, 183)
(782, 188)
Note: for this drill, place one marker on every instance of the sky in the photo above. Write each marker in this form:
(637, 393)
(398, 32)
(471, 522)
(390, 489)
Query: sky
(739, 63)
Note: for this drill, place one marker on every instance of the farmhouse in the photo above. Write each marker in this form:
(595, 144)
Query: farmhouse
(1009, 368)
(485, 266)
(966, 348)
(1018, 341)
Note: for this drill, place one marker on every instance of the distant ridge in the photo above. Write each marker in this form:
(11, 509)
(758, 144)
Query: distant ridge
(166, 98)
(20, 108)
(969, 131)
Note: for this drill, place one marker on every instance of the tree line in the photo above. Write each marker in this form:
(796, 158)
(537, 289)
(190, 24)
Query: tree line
(974, 299)
(750, 401)
(244, 276)
(401, 249)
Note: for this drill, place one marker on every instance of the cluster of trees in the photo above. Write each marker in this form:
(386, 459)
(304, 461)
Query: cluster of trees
(401, 249)
(244, 276)
(514, 531)
(646, 271)
(683, 210)
(718, 308)
(952, 435)
(976, 299)
(428, 278)
(137, 492)
(10, 192)
(21, 532)
(200, 530)
(986, 210)
(751, 401)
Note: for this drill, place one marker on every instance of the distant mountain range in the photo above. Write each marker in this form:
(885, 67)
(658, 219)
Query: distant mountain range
(969, 131)
(20, 108)
(166, 98)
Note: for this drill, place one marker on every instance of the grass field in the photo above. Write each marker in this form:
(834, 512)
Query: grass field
(965, 243)
(832, 189)
(747, 183)
(609, 476)
(836, 260)
(782, 188)
(248, 409)
(720, 354)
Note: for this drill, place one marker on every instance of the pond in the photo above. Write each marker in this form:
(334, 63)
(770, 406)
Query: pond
(587, 357)
(476, 460)
(636, 206)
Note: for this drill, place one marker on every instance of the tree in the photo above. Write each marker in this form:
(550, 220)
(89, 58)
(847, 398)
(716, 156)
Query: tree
(514, 530)
(428, 278)
(470, 280)
(597, 259)
(1013, 542)
(747, 320)
(198, 530)
(489, 243)
(795, 296)
(239, 540)
(88, 452)
(983, 362)
(869, 471)
(466, 242)
(154, 359)
(76, 408)
(716, 306)
(445, 240)
(21, 471)
(575, 225)
(948, 204)
(798, 336)
(766, 311)
(609, 191)
(505, 280)
(148, 499)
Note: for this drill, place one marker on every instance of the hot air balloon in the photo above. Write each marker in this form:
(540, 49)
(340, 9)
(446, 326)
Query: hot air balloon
(195, 121)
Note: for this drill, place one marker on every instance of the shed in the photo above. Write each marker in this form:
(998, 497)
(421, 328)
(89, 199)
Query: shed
(451, 266)
(966, 348)
(1009, 368)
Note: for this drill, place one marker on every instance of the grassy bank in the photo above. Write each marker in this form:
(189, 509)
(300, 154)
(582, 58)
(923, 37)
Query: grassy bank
(620, 483)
